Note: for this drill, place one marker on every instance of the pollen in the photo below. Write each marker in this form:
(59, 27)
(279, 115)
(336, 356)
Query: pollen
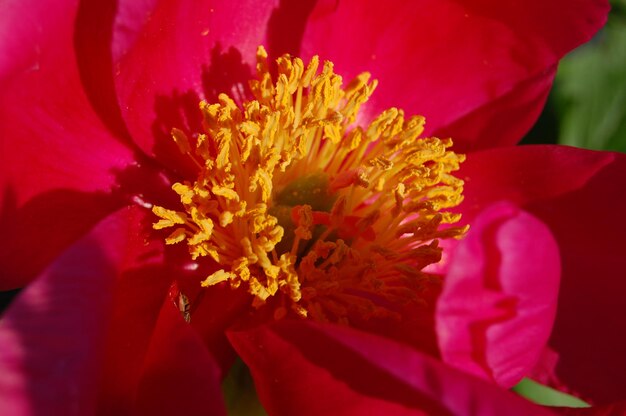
(301, 205)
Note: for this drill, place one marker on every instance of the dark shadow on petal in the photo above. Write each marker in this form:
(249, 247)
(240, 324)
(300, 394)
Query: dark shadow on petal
(59, 325)
(145, 183)
(6, 297)
(226, 74)
(181, 111)
(34, 234)
(93, 35)
(590, 331)
(286, 26)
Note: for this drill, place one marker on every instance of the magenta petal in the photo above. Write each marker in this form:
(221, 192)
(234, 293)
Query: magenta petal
(498, 303)
(180, 377)
(187, 51)
(305, 368)
(18, 19)
(449, 60)
(52, 334)
(57, 159)
(51, 136)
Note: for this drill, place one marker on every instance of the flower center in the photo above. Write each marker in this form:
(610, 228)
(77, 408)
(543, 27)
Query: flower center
(295, 201)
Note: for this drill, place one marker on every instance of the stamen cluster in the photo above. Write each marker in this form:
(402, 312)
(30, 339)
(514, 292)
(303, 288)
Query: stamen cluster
(294, 199)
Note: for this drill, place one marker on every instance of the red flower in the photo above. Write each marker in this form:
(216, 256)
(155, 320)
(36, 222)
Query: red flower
(90, 93)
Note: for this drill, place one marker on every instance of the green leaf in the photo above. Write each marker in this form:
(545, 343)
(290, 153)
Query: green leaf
(547, 396)
(590, 89)
(239, 393)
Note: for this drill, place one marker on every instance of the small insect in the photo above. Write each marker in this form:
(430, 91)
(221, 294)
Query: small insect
(184, 306)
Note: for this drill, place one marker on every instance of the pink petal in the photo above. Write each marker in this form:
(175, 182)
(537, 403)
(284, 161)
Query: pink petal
(57, 160)
(449, 60)
(304, 368)
(498, 303)
(52, 334)
(179, 375)
(186, 50)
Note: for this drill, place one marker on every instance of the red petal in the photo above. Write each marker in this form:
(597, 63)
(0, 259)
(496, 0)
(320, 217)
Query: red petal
(614, 409)
(139, 294)
(57, 160)
(576, 193)
(309, 369)
(590, 332)
(52, 334)
(179, 375)
(526, 174)
(35, 233)
(144, 336)
(449, 60)
(186, 50)
(498, 303)
(215, 309)
(504, 120)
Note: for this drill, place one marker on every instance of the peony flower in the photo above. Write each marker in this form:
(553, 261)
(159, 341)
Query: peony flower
(124, 219)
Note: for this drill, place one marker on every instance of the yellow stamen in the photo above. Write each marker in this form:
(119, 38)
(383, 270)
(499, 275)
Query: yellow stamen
(294, 199)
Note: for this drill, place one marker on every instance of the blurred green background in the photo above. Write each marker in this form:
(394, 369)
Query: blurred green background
(587, 106)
